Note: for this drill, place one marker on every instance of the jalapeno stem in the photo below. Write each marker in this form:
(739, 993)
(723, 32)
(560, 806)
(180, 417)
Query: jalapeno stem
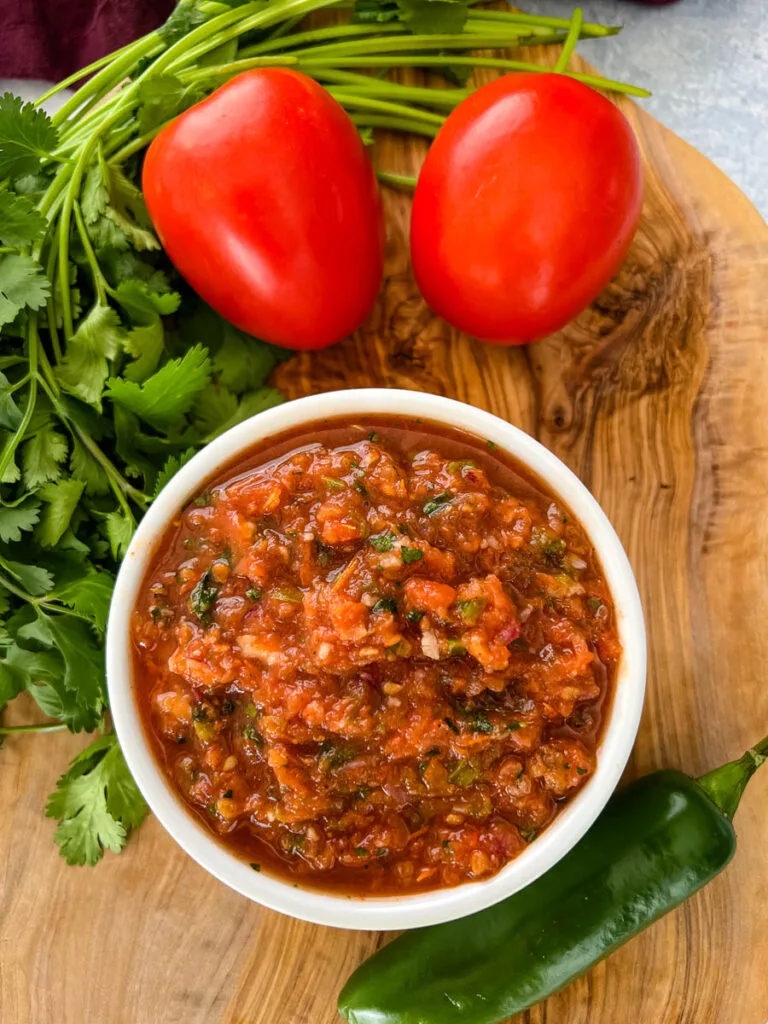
(726, 784)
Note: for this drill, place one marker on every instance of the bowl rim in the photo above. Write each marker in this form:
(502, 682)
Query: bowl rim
(379, 912)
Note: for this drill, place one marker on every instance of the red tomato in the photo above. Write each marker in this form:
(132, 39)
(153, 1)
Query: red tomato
(267, 203)
(525, 207)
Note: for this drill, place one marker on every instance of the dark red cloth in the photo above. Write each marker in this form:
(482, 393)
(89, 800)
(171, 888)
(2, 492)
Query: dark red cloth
(50, 39)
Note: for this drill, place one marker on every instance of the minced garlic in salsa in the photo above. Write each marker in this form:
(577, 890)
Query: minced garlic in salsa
(373, 656)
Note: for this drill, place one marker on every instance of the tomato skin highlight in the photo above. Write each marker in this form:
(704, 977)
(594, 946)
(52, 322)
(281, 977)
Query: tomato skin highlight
(267, 203)
(525, 207)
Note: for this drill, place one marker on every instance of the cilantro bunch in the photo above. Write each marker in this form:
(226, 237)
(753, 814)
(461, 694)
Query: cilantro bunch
(112, 372)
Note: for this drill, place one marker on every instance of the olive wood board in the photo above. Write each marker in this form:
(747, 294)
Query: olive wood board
(655, 397)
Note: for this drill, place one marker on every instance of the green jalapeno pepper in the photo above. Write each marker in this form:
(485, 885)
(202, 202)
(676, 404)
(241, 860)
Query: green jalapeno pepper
(657, 842)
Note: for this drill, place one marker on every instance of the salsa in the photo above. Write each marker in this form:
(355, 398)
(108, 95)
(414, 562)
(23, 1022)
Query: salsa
(374, 656)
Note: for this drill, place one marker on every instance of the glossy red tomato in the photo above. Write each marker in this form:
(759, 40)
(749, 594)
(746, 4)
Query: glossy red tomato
(525, 207)
(267, 203)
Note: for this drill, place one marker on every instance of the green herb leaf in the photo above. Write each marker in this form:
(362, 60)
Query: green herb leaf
(20, 221)
(381, 541)
(42, 456)
(98, 338)
(411, 554)
(26, 135)
(34, 579)
(172, 466)
(480, 722)
(83, 466)
(162, 97)
(168, 394)
(119, 532)
(89, 595)
(14, 520)
(60, 502)
(186, 15)
(23, 284)
(203, 597)
(97, 803)
(83, 659)
(437, 503)
(10, 414)
(471, 610)
(385, 604)
(464, 774)
(243, 363)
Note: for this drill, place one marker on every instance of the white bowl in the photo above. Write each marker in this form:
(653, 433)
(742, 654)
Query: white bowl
(379, 912)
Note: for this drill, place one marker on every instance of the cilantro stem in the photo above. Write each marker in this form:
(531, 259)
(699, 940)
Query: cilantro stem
(120, 485)
(77, 76)
(397, 180)
(73, 190)
(364, 85)
(110, 75)
(395, 124)
(384, 106)
(589, 29)
(234, 24)
(14, 441)
(419, 43)
(99, 281)
(7, 730)
(307, 63)
(137, 145)
(318, 35)
(570, 43)
(235, 67)
(38, 602)
(50, 305)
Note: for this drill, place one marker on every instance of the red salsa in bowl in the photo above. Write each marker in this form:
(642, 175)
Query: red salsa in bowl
(375, 655)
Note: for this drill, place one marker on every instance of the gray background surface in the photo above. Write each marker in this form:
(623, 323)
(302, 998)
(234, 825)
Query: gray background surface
(706, 62)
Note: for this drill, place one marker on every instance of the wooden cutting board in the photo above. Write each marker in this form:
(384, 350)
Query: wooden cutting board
(656, 398)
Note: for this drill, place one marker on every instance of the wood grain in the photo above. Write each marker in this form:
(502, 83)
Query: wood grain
(655, 397)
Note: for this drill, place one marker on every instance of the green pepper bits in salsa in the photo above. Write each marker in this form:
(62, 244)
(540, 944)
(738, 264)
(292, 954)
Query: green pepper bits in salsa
(375, 657)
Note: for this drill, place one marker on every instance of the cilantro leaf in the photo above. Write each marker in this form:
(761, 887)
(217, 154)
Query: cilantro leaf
(95, 194)
(98, 338)
(434, 17)
(83, 659)
(26, 135)
(375, 11)
(250, 404)
(89, 595)
(23, 284)
(14, 520)
(96, 802)
(146, 341)
(215, 405)
(147, 345)
(35, 580)
(83, 466)
(128, 211)
(12, 472)
(163, 97)
(41, 457)
(168, 394)
(10, 414)
(143, 304)
(20, 221)
(13, 681)
(119, 531)
(242, 362)
(61, 500)
(185, 16)
(171, 468)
